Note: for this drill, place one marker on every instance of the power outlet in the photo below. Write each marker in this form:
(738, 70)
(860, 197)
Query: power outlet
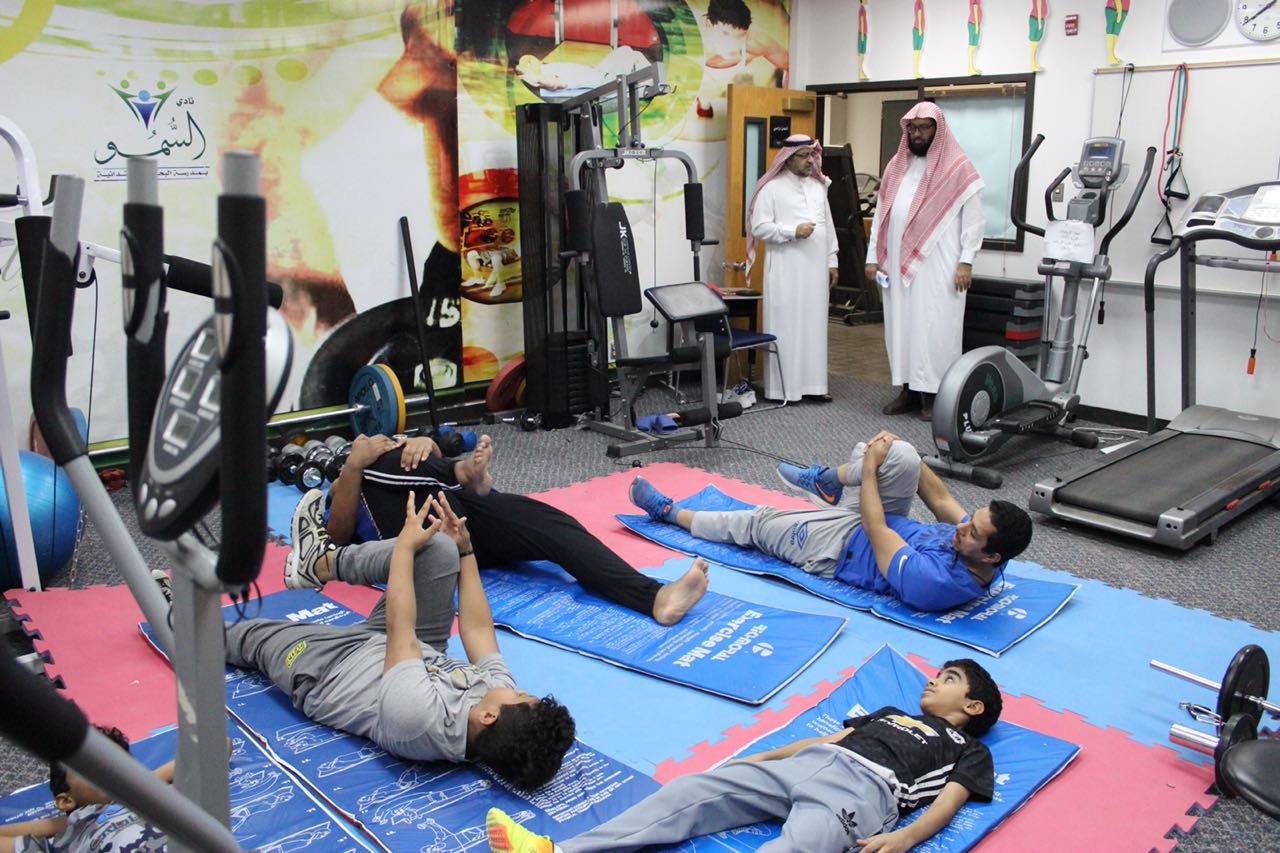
(1060, 192)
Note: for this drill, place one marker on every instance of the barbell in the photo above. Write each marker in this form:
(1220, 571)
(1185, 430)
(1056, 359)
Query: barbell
(376, 404)
(1243, 688)
(1241, 702)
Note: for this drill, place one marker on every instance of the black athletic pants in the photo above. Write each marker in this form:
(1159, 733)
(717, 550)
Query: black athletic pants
(507, 528)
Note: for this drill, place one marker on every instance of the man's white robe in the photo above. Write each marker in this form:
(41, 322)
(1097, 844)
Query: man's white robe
(795, 282)
(924, 320)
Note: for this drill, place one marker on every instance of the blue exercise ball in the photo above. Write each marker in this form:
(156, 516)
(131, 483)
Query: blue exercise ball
(54, 508)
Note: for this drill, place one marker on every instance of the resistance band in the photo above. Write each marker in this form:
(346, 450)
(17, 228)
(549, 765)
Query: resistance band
(1175, 186)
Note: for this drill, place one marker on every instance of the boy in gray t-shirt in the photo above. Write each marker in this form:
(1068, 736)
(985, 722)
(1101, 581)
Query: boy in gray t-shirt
(388, 679)
(90, 821)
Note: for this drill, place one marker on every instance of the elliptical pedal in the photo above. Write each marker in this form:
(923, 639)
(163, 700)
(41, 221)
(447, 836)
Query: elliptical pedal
(1031, 416)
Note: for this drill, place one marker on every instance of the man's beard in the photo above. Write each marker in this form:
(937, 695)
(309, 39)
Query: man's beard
(917, 147)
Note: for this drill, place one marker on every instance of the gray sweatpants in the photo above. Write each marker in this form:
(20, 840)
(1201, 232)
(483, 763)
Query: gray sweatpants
(813, 539)
(274, 646)
(825, 796)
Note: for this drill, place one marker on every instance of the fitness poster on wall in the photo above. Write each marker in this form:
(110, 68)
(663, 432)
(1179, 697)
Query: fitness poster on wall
(362, 113)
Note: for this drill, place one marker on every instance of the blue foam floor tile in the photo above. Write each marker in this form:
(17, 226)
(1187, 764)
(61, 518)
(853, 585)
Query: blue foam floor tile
(1092, 660)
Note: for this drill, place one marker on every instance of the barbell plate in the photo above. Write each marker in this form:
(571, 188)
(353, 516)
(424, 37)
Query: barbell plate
(1248, 678)
(504, 388)
(377, 400)
(1237, 729)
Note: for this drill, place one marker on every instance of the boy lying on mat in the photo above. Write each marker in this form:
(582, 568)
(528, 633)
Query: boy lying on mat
(388, 679)
(842, 791)
(90, 821)
(863, 536)
(367, 502)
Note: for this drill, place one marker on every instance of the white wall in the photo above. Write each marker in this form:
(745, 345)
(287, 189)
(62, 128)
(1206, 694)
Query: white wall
(824, 38)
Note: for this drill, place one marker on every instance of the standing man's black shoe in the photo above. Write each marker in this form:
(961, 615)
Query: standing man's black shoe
(906, 401)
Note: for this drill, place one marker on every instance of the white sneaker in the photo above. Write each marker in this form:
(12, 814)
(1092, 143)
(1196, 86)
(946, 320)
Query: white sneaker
(310, 543)
(161, 577)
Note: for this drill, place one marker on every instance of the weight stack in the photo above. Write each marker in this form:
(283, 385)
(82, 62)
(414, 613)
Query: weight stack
(567, 391)
(1005, 312)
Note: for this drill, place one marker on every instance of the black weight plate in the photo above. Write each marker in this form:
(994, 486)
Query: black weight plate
(1248, 674)
(1237, 729)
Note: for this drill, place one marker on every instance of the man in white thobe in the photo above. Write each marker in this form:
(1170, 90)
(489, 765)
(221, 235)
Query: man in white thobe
(789, 212)
(926, 231)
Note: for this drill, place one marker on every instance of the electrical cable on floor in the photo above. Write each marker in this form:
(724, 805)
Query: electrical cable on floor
(725, 444)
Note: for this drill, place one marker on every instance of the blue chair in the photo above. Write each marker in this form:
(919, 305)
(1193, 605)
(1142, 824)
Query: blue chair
(737, 340)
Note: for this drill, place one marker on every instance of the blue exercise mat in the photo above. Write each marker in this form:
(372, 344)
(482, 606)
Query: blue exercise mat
(726, 646)
(992, 624)
(1024, 760)
(427, 806)
(270, 811)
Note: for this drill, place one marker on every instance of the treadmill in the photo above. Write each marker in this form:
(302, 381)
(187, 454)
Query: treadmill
(1181, 484)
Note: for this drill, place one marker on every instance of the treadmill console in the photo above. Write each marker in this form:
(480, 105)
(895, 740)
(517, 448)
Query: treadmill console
(1250, 212)
(1101, 159)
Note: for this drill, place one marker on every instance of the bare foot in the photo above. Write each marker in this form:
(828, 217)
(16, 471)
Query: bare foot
(675, 598)
(472, 472)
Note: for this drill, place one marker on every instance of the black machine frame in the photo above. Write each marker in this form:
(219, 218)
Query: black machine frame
(581, 274)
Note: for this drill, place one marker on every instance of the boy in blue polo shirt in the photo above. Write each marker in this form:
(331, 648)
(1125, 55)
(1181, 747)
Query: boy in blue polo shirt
(863, 536)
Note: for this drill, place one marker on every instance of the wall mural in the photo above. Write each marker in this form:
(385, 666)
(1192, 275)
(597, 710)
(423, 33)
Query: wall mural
(363, 113)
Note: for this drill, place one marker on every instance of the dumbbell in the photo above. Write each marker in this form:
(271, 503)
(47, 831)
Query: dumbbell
(318, 462)
(289, 461)
(341, 450)
(273, 463)
(293, 458)
(453, 441)
(526, 420)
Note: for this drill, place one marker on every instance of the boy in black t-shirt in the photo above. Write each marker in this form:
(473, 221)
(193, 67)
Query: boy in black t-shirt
(834, 793)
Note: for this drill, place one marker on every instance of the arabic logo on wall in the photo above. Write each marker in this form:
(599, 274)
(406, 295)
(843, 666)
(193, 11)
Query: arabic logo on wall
(172, 136)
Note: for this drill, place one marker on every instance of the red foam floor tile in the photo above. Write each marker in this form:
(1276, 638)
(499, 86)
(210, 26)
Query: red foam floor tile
(1117, 794)
(595, 503)
(103, 662)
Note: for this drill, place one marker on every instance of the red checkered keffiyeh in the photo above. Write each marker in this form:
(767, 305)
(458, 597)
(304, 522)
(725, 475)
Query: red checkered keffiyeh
(949, 180)
(794, 143)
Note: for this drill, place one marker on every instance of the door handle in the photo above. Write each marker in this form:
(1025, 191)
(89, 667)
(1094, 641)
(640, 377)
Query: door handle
(733, 265)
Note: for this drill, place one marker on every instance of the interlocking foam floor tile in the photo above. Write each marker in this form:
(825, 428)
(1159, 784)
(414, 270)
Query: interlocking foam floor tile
(595, 502)
(1116, 795)
(1093, 658)
(95, 651)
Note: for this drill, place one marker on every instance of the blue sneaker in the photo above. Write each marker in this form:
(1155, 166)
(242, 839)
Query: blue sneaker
(818, 483)
(655, 503)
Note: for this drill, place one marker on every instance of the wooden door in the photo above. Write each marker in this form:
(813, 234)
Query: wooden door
(750, 154)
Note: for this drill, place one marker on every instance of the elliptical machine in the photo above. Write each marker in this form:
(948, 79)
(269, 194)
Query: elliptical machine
(988, 394)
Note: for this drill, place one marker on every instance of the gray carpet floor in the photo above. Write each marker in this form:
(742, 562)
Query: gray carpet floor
(1232, 578)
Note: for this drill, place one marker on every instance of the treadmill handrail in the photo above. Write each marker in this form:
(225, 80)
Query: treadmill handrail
(1149, 300)
(1133, 201)
(1020, 185)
